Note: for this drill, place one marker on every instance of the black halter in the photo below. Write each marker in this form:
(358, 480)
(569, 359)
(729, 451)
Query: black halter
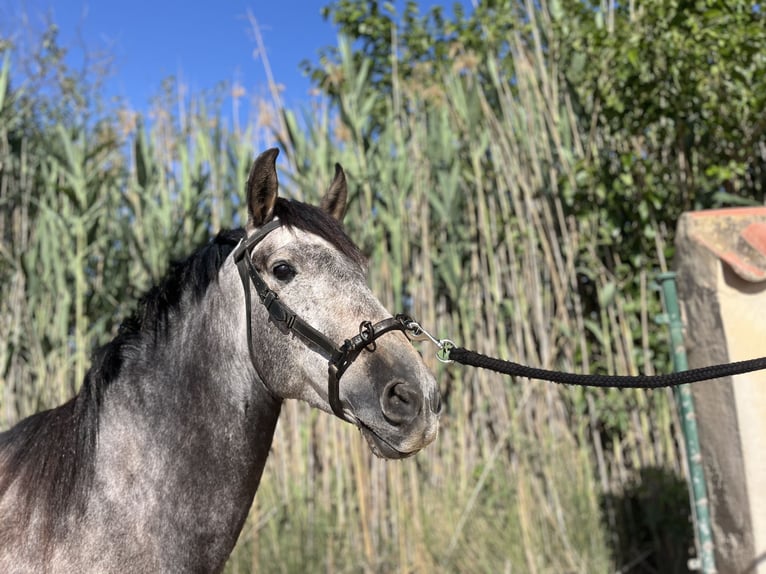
(340, 358)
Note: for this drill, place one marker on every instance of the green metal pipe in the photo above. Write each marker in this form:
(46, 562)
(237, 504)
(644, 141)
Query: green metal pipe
(685, 404)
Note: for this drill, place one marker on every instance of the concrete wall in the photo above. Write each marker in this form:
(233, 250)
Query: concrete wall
(721, 264)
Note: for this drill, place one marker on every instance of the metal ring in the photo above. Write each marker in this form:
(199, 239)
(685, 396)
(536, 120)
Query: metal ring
(445, 346)
(367, 333)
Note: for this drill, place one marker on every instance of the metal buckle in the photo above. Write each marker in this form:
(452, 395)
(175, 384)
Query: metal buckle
(444, 346)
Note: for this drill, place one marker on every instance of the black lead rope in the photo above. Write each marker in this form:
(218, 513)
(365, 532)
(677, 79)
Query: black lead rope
(472, 359)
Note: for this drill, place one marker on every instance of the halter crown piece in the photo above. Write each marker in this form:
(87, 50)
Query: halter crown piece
(340, 358)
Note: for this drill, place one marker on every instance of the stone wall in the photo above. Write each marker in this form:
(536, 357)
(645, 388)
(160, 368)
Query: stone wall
(721, 264)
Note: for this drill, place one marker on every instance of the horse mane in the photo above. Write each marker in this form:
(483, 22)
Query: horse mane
(51, 454)
(150, 319)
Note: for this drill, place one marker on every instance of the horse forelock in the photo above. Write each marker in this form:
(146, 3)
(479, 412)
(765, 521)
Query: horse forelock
(317, 222)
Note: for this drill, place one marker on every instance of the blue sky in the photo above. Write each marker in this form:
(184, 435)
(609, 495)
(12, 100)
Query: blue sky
(202, 43)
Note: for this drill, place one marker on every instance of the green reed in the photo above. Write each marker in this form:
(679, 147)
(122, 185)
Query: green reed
(457, 205)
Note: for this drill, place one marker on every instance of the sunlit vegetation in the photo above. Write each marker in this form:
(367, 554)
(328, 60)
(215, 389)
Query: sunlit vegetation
(514, 189)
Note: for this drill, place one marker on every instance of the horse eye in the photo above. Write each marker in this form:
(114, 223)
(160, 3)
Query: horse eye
(283, 271)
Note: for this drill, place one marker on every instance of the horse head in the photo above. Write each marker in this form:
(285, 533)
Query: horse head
(319, 320)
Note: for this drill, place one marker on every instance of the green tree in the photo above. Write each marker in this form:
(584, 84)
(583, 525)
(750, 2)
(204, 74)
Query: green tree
(674, 98)
(407, 46)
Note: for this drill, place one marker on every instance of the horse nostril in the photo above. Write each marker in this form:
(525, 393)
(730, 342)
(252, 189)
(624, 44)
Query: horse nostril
(400, 402)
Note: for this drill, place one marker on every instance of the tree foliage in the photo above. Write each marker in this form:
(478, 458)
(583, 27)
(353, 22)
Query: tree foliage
(674, 97)
(410, 46)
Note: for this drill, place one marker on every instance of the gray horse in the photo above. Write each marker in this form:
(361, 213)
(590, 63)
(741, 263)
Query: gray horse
(153, 465)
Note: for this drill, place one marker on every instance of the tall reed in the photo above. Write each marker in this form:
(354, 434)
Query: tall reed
(457, 204)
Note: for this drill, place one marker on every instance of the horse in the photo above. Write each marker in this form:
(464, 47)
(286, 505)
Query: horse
(155, 462)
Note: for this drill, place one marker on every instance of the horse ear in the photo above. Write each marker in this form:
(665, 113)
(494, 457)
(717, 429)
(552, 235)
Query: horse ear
(261, 188)
(334, 201)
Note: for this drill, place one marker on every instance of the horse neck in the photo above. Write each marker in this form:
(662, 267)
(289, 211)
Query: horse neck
(185, 432)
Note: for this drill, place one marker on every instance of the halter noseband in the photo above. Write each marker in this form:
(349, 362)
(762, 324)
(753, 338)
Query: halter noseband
(340, 358)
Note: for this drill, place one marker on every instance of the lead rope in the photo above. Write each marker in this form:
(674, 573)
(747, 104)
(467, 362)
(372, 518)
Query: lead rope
(448, 352)
(472, 359)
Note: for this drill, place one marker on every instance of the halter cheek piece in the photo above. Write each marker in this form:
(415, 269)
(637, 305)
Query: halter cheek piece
(340, 358)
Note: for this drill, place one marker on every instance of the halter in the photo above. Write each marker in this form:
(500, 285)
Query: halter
(340, 358)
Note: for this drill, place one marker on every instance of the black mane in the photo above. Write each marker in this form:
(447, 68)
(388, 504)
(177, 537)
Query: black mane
(193, 274)
(53, 452)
